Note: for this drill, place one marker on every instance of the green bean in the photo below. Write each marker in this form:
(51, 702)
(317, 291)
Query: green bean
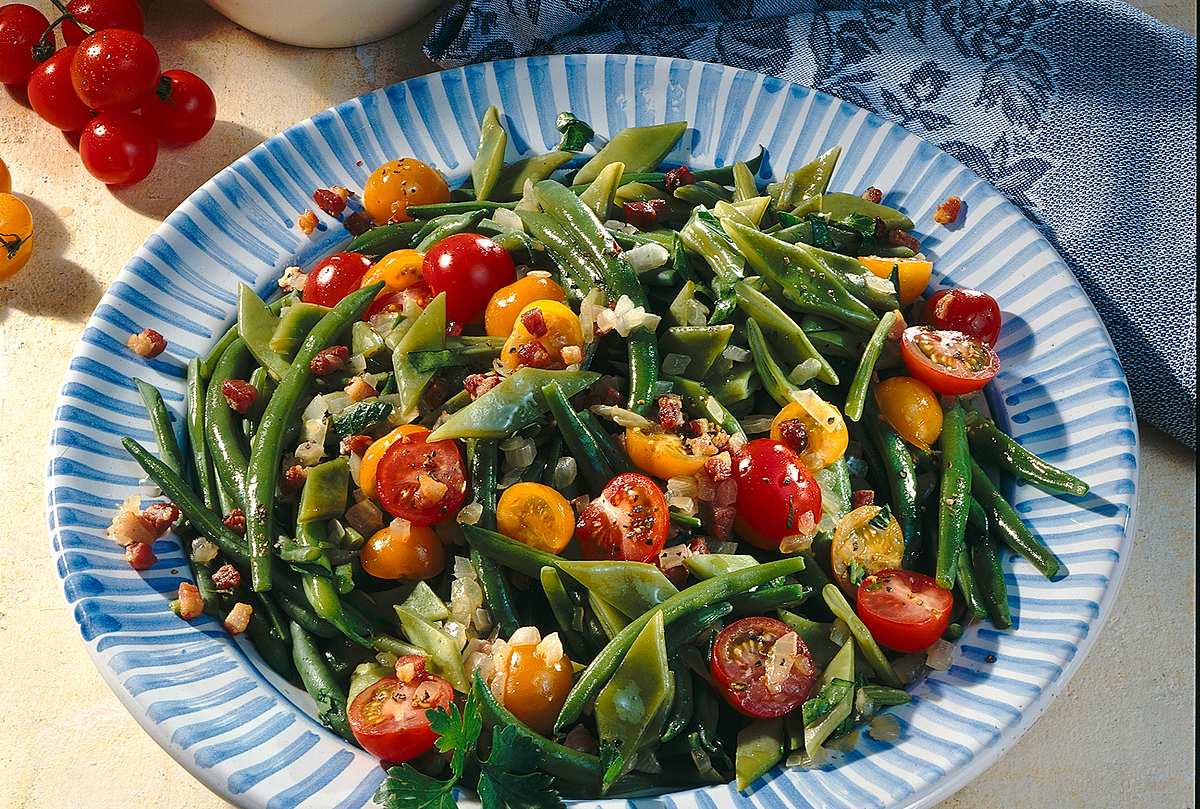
(968, 586)
(884, 696)
(989, 441)
(160, 425)
(222, 429)
(256, 326)
(790, 339)
(694, 624)
(989, 574)
(425, 213)
(702, 345)
(448, 225)
(806, 182)
(702, 404)
(639, 148)
(682, 706)
(760, 746)
(1006, 525)
(577, 273)
(593, 466)
(765, 599)
(210, 360)
(320, 683)
(481, 466)
(613, 453)
(857, 396)
(631, 588)
(954, 494)
(510, 185)
(296, 322)
(862, 636)
(861, 282)
(703, 192)
(720, 588)
(775, 382)
(704, 236)
(839, 205)
(426, 332)
(513, 405)
(261, 381)
(744, 185)
(379, 241)
(600, 195)
(512, 554)
(901, 474)
(563, 609)
(267, 448)
(489, 156)
(814, 634)
(273, 646)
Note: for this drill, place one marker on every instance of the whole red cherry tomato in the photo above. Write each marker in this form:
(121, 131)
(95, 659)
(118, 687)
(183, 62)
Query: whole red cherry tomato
(118, 148)
(21, 26)
(905, 611)
(774, 493)
(469, 268)
(183, 108)
(101, 14)
(52, 96)
(115, 70)
(739, 664)
(629, 520)
(974, 313)
(389, 718)
(335, 278)
(950, 362)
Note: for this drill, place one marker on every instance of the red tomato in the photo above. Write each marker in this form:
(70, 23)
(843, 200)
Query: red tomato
(905, 611)
(183, 108)
(52, 96)
(115, 70)
(421, 482)
(469, 268)
(950, 362)
(974, 313)
(335, 278)
(21, 26)
(419, 294)
(774, 491)
(388, 718)
(101, 14)
(739, 666)
(118, 148)
(629, 520)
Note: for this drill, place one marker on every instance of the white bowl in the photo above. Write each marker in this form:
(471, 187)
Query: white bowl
(324, 24)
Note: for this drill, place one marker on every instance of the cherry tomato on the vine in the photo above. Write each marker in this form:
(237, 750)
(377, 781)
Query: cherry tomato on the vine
(905, 611)
(629, 520)
(974, 313)
(334, 278)
(51, 95)
(182, 109)
(741, 663)
(21, 26)
(101, 14)
(389, 718)
(115, 70)
(118, 148)
(777, 496)
(469, 268)
(950, 362)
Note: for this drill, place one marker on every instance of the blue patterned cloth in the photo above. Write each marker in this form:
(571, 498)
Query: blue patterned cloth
(1082, 112)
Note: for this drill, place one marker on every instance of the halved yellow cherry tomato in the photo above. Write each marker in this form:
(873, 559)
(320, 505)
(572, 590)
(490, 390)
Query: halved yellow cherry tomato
(562, 329)
(857, 540)
(914, 274)
(661, 454)
(16, 235)
(398, 270)
(536, 515)
(826, 442)
(502, 309)
(912, 408)
(396, 184)
(403, 551)
(535, 690)
(375, 452)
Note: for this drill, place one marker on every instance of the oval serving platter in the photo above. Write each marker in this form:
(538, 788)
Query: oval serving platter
(252, 738)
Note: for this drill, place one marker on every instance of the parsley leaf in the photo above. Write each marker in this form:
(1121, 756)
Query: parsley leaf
(612, 761)
(407, 788)
(457, 731)
(510, 778)
(575, 133)
(856, 573)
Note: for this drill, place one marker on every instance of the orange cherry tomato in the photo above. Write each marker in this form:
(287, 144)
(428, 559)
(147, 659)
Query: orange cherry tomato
(398, 270)
(537, 515)
(857, 540)
(403, 551)
(661, 454)
(914, 274)
(370, 460)
(535, 690)
(16, 235)
(396, 184)
(506, 304)
(561, 328)
(823, 443)
(912, 408)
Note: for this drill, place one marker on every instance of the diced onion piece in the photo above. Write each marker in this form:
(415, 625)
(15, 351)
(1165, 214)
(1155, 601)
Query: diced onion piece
(675, 364)
(725, 547)
(482, 619)
(839, 632)
(521, 456)
(463, 569)
(564, 472)
(508, 219)
(623, 417)
(646, 257)
(127, 526)
(683, 486)
(457, 632)
(695, 313)
(682, 504)
(313, 431)
(337, 401)
(525, 634)
(620, 227)
(509, 478)
(757, 424)
(780, 661)
(549, 649)
(528, 201)
(878, 283)
(796, 543)
(938, 656)
(512, 442)
(909, 667)
(825, 414)
(470, 514)
(316, 409)
(309, 453)
(204, 550)
(356, 468)
(590, 309)
(736, 354)
(628, 317)
(673, 556)
(429, 489)
(356, 364)
(805, 372)
(580, 503)
(466, 595)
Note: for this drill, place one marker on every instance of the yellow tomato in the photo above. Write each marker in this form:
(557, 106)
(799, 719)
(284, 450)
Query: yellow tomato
(5, 179)
(536, 515)
(398, 270)
(912, 408)
(404, 551)
(661, 454)
(856, 540)
(914, 274)
(826, 442)
(562, 330)
(371, 458)
(502, 309)
(16, 235)
(535, 690)
(396, 184)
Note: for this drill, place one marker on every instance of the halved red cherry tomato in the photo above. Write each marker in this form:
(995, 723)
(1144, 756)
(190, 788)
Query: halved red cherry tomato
(335, 278)
(950, 362)
(388, 718)
(421, 481)
(974, 313)
(469, 268)
(419, 294)
(629, 520)
(739, 663)
(775, 491)
(905, 611)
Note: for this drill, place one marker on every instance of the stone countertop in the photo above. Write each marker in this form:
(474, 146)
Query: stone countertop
(1121, 734)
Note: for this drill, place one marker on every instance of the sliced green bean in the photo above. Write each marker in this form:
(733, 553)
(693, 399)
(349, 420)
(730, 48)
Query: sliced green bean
(775, 382)
(1007, 526)
(989, 575)
(639, 148)
(857, 396)
(862, 636)
(954, 494)
(482, 466)
(593, 466)
(222, 426)
(510, 185)
(790, 339)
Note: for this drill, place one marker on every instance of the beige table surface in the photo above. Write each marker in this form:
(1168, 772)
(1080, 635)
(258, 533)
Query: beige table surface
(1120, 735)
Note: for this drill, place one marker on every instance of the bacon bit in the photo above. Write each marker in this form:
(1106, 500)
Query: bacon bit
(604, 392)
(696, 428)
(226, 577)
(533, 355)
(572, 355)
(191, 604)
(723, 517)
(678, 177)
(238, 618)
(147, 343)
(359, 388)
(307, 222)
(240, 394)
(902, 238)
(453, 328)
(357, 223)
(329, 360)
(235, 521)
(293, 478)
(355, 444)
(670, 412)
(128, 527)
(863, 497)
(159, 517)
(330, 201)
(644, 214)
(794, 435)
(535, 322)
(410, 669)
(948, 211)
(364, 517)
(478, 384)
(719, 467)
(873, 194)
(139, 555)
